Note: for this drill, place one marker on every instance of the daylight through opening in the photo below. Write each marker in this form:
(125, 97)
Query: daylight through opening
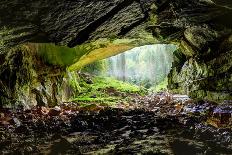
(146, 66)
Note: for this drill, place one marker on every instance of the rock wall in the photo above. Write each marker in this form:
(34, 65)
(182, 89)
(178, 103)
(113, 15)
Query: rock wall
(202, 30)
(71, 22)
(27, 80)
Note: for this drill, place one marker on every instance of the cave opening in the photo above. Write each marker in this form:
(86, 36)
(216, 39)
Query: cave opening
(146, 66)
(110, 77)
(125, 96)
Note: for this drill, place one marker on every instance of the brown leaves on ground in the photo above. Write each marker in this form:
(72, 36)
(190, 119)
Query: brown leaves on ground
(220, 120)
(8, 117)
(163, 104)
(4, 119)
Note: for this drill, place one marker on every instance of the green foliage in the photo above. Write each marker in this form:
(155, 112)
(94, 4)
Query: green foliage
(162, 86)
(104, 100)
(73, 82)
(3, 45)
(96, 68)
(60, 55)
(97, 92)
(145, 66)
(106, 82)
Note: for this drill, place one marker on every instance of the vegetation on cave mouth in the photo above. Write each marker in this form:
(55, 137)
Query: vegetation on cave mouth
(135, 72)
(120, 109)
(95, 98)
(159, 123)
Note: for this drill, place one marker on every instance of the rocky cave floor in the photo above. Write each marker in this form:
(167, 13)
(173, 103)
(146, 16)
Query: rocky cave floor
(155, 124)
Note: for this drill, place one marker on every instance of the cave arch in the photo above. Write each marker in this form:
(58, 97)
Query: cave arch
(201, 30)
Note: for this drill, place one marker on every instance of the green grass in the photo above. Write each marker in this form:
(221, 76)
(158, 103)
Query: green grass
(160, 87)
(105, 101)
(108, 82)
(96, 92)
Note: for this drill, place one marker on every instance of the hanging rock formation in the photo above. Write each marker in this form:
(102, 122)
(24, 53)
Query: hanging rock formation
(71, 22)
(201, 28)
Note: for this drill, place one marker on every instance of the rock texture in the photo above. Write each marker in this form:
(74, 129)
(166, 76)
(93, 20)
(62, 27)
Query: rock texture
(71, 22)
(27, 80)
(203, 31)
(201, 28)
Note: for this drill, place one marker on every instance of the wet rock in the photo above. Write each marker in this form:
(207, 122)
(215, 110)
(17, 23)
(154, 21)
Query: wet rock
(54, 111)
(22, 129)
(15, 121)
(121, 130)
(28, 150)
(181, 146)
(60, 146)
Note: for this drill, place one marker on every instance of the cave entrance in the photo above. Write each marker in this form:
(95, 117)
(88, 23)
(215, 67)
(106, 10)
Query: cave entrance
(124, 78)
(146, 66)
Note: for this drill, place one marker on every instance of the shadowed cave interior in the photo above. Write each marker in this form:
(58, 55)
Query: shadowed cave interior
(116, 77)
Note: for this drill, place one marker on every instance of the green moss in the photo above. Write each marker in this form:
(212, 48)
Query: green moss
(99, 54)
(104, 101)
(107, 82)
(106, 91)
(96, 68)
(186, 49)
(65, 56)
(82, 55)
(73, 82)
(160, 87)
(3, 44)
(61, 55)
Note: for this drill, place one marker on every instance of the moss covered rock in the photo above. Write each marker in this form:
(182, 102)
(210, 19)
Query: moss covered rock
(27, 80)
(201, 28)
